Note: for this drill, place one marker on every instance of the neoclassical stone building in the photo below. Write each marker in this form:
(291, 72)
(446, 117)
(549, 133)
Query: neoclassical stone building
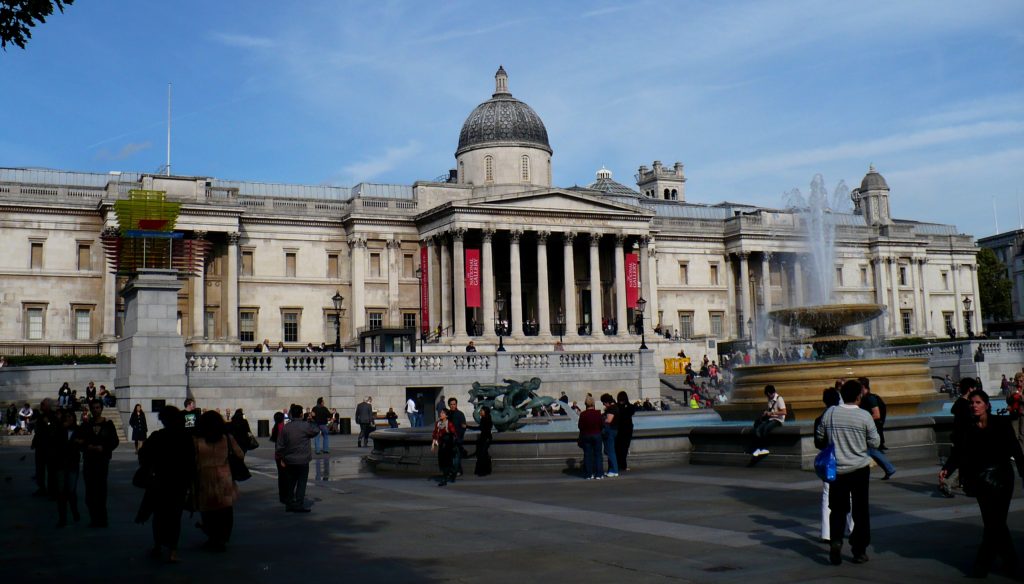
(496, 247)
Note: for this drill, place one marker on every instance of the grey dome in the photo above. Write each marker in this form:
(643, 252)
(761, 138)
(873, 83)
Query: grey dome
(502, 121)
(873, 181)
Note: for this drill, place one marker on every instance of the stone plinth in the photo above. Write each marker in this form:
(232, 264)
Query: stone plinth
(151, 353)
(904, 383)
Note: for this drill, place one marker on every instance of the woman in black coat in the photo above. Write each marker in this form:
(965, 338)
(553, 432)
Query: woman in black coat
(240, 430)
(483, 444)
(982, 451)
(625, 435)
(137, 421)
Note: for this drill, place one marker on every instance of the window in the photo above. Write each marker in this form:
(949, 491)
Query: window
(289, 264)
(675, 195)
(839, 275)
(945, 280)
(376, 320)
(290, 325)
(83, 324)
(247, 262)
(489, 168)
(212, 266)
(526, 168)
(374, 265)
(684, 273)
(863, 276)
(907, 317)
(668, 194)
(332, 265)
(247, 326)
(331, 333)
(717, 318)
(947, 319)
(35, 321)
(903, 276)
(210, 324)
(462, 172)
(84, 257)
(409, 320)
(36, 261)
(714, 274)
(686, 325)
(408, 266)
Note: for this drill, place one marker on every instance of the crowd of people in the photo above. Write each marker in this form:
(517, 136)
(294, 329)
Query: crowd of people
(22, 420)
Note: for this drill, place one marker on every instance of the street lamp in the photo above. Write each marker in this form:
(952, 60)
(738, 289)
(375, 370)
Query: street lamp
(499, 303)
(560, 319)
(640, 305)
(967, 316)
(419, 304)
(337, 299)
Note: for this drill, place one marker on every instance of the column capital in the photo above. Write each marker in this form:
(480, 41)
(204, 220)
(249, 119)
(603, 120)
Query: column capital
(569, 236)
(488, 234)
(515, 235)
(393, 243)
(110, 232)
(766, 256)
(357, 241)
(233, 238)
(426, 241)
(542, 236)
(743, 255)
(645, 240)
(200, 235)
(458, 234)
(595, 239)
(922, 261)
(890, 259)
(876, 261)
(620, 239)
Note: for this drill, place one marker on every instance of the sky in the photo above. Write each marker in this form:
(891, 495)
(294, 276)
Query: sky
(754, 98)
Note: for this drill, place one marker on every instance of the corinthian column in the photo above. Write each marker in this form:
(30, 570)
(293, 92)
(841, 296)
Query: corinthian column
(569, 277)
(620, 286)
(199, 296)
(543, 308)
(231, 288)
(595, 284)
(357, 243)
(487, 282)
(745, 292)
(516, 301)
(458, 251)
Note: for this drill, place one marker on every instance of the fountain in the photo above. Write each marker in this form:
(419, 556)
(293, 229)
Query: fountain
(904, 383)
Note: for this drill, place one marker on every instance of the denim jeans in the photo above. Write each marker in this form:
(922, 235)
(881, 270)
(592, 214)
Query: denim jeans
(881, 459)
(608, 437)
(592, 466)
(324, 431)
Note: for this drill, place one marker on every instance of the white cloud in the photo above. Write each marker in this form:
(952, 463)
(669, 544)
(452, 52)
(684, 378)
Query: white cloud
(243, 41)
(870, 149)
(375, 166)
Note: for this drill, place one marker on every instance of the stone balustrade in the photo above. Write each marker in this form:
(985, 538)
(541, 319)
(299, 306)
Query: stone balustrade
(961, 358)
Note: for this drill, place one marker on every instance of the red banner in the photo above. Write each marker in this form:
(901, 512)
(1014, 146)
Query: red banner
(424, 291)
(473, 278)
(632, 279)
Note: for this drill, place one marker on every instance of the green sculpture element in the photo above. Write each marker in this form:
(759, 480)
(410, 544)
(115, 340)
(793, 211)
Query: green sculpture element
(508, 403)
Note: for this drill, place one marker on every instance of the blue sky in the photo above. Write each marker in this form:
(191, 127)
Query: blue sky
(754, 98)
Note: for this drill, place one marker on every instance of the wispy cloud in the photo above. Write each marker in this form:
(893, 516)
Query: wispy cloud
(868, 149)
(605, 10)
(377, 165)
(126, 151)
(243, 41)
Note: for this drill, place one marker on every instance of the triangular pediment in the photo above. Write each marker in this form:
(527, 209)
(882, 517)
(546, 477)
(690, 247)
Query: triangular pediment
(555, 200)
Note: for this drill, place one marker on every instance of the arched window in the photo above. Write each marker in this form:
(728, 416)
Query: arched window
(489, 168)
(526, 168)
(666, 194)
(462, 172)
(549, 171)
(675, 195)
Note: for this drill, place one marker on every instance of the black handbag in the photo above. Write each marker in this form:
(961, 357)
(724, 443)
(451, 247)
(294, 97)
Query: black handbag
(993, 478)
(239, 472)
(253, 443)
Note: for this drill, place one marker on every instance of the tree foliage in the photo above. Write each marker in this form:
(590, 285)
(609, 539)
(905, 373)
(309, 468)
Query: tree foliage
(18, 16)
(995, 287)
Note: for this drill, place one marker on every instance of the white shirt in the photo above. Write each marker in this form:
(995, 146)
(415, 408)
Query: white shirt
(410, 407)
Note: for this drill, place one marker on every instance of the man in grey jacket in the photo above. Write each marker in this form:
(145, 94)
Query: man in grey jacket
(293, 455)
(853, 432)
(364, 417)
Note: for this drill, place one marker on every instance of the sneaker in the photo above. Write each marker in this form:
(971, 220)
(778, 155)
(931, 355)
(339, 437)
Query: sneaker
(612, 475)
(599, 478)
(760, 452)
(888, 475)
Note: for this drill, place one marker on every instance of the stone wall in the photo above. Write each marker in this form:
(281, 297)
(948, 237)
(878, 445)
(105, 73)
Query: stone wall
(33, 384)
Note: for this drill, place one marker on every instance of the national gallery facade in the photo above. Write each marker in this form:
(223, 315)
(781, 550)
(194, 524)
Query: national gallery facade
(493, 248)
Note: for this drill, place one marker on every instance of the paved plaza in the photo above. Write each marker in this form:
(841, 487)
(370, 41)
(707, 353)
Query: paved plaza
(684, 524)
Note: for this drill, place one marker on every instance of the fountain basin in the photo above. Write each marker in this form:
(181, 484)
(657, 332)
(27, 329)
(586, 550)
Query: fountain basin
(904, 383)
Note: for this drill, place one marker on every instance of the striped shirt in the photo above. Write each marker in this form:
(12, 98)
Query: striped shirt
(852, 431)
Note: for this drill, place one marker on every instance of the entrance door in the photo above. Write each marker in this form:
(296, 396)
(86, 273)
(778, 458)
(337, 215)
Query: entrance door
(426, 400)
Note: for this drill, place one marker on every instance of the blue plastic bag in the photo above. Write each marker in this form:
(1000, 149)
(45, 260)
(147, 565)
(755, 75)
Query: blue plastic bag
(825, 464)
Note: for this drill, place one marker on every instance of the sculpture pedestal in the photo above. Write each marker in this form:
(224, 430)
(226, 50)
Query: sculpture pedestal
(151, 353)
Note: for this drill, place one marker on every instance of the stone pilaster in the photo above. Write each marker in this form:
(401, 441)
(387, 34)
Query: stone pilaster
(357, 244)
(394, 247)
(231, 289)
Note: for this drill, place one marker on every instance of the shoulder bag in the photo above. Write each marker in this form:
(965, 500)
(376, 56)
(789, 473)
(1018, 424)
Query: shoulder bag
(825, 465)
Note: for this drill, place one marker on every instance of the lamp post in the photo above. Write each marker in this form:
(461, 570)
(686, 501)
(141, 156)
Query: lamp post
(640, 305)
(419, 304)
(499, 303)
(337, 299)
(967, 316)
(560, 319)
